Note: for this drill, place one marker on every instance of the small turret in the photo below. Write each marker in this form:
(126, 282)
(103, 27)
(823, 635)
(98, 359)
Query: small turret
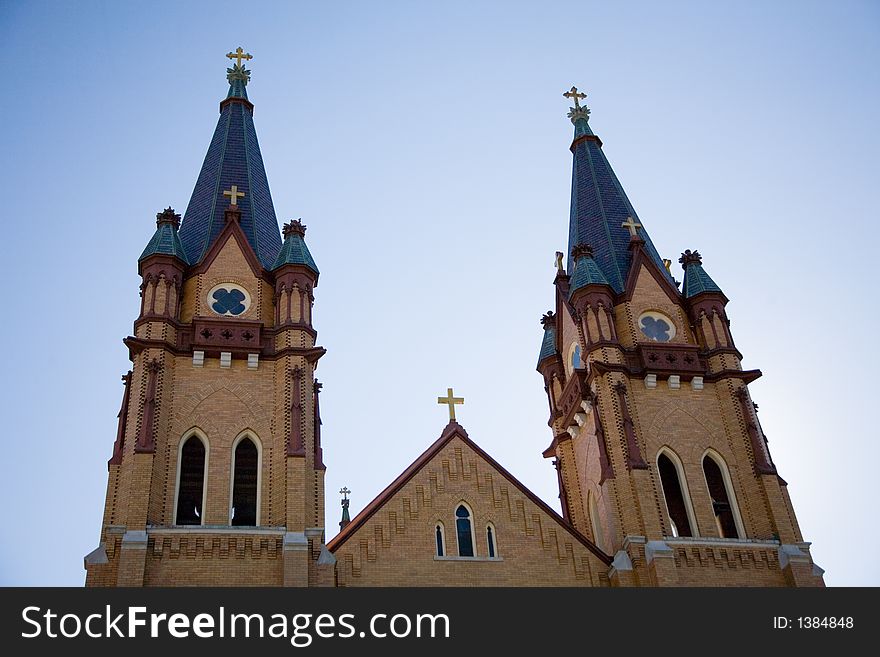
(161, 266)
(296, 275)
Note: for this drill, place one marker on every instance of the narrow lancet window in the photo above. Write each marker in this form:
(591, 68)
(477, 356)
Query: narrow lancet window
(721, 498)
(438, 532)
(490, 541)
(464, 529)
(244, 484)
(674, 495)
(191, 482)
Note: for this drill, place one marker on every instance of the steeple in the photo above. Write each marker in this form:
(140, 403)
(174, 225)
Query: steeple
(696, 280)
(599, 205)
(233, 159)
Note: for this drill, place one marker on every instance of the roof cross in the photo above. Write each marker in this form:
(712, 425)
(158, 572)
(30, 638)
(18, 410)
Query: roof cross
(344, 492)
(575, 96)
(239, 54)
(233, 195)
(450, 401)
(631, 226)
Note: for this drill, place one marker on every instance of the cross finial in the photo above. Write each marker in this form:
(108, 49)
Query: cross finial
(450, 401)
(233, 195)
(631, 226)
(239, 54)
(344, 492)
(574, 95)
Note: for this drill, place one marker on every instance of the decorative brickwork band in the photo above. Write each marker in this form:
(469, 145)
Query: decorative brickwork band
(606, 471)
(116, 459)
(634, 460)
(295, 445)
(759, 442)
(145, 442)
(319, 452)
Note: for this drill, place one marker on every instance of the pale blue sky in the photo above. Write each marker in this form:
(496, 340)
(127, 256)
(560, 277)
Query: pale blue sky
(425, 145)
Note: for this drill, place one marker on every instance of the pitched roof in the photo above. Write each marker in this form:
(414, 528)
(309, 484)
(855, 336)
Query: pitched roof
(599, 206)
(233, 158)
(454, 430)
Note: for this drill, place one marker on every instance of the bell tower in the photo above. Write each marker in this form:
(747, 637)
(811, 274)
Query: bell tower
(217, 474)
(660, 455)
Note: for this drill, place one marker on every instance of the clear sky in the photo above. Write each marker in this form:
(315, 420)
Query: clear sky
(425, 145)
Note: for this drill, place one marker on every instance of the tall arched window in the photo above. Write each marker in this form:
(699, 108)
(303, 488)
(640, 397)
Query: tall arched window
(723, 502)
(245, 484)
(190, 482)
(675, 494)
(464, 528)
(490, 541)
(440, 539)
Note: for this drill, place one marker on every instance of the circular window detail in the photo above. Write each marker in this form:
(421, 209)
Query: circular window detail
(229, 299)
(657, 327)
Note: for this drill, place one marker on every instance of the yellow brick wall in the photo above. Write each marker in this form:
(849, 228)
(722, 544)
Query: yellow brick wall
(396, 546)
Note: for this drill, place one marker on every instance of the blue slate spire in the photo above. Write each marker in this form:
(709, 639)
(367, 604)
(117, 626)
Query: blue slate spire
(599, 206)
(294, 250)
(165, 240)
(586, 271)
(548, 345)
(233, 158)
(696, 280)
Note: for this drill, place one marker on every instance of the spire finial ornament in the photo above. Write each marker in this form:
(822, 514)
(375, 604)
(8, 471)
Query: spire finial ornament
(238, 71)
(238, 55)
(548, 320)
(294, 227)
(573, 94)
(345, 517)
(168, 216)
(689, 257)
(578, 111)
(559, 268)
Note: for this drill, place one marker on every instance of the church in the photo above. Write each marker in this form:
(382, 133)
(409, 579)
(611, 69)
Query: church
(216, 476)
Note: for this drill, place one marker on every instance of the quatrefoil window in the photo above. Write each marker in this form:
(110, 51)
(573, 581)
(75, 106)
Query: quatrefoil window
(657, 327)
(228, 299)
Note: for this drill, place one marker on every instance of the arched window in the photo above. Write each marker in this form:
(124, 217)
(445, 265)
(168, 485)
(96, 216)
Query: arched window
(596, 522)
(675, 494)
(723, 502)
(490, 541)
(465, 531)
(245, 484)
(190, 482)
(440, 539)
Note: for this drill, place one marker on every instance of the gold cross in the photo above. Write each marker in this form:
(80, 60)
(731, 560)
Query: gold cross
(344, 492)
(451, 402)
(233, 195)
(631, 226)
(239, 54)
(574, 95)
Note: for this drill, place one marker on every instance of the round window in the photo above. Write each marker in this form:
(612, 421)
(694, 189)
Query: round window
(657, 327)
(229, 299)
